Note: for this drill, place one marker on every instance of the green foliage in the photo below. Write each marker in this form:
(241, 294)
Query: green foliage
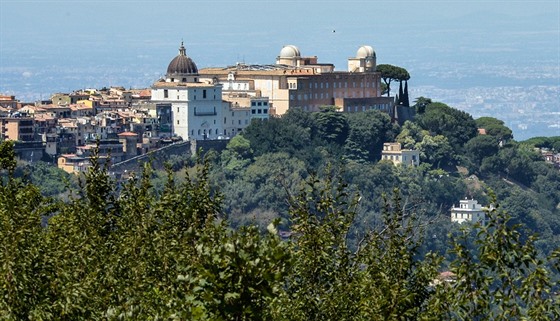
(481, 147)
(501, 279)
(238, 155)
(381, 280)
(332, 126)
(390, 73)
(457, 126)
(129, 253)
(279, 134)
(495, 128)
(421, 103)
(544, 142)
(368, 131)
(7, 156)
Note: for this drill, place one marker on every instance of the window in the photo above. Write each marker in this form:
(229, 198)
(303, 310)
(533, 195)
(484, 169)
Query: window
(165, 93)
(177, 122)
(204, 94)
(259, 111)
(177, 109)
(265, 111)
(253, 111)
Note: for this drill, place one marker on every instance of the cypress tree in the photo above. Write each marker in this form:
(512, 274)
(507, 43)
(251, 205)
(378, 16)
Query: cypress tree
(404, 98)
(400, 101)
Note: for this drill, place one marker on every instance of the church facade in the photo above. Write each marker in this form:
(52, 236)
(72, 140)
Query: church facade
(197, 109)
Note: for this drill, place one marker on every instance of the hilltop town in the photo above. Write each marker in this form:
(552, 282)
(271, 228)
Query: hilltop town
(187, 104)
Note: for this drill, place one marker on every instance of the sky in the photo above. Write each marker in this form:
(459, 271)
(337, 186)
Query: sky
(48, 46)
(224, 32)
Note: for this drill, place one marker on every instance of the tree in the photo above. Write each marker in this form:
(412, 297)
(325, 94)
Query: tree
(502, 278)
(457, 126)
(480, 147)
(421, 103)
(495, 128)
(279, 135)
(332, 126)
(435, 150)
(367, 133)
(238, 154)
(390, 73)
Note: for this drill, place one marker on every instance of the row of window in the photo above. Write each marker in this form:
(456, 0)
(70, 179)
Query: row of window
(204, 94)
(383, 107)
(340, 84)
(326, 96)
(259, 111)
(213, 131)
(259, 103)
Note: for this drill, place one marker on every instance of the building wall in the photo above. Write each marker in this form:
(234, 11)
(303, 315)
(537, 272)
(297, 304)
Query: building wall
(468, 211)
(303, 88)
(394, 153)
(197, 110)
(17, 129)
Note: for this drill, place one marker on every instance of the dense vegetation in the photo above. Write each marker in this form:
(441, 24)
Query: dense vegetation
(366, 239)
(135, 255)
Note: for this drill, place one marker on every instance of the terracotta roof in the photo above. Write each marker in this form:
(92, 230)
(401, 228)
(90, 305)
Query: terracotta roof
(128, 134)
(145, 93)
(482, 131)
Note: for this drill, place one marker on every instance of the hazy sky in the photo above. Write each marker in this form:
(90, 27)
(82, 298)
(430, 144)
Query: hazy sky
(222, 32)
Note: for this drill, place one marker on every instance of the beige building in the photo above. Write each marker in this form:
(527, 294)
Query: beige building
(397, 155)
(299, 81)
(16, 129)
(468, 211)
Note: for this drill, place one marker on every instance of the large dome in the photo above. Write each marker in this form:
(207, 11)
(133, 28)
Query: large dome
(289, 51)
(182, 64)
(365, 52)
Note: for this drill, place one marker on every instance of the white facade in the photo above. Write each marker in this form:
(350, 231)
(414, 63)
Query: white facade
(197, 109)
(394, 153)
(468, 211)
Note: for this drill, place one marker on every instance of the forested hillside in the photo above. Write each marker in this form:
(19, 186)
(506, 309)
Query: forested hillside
(362, 239)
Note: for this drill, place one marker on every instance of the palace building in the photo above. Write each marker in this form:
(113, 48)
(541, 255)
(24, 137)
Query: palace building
(300, 81)
(218, 103)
